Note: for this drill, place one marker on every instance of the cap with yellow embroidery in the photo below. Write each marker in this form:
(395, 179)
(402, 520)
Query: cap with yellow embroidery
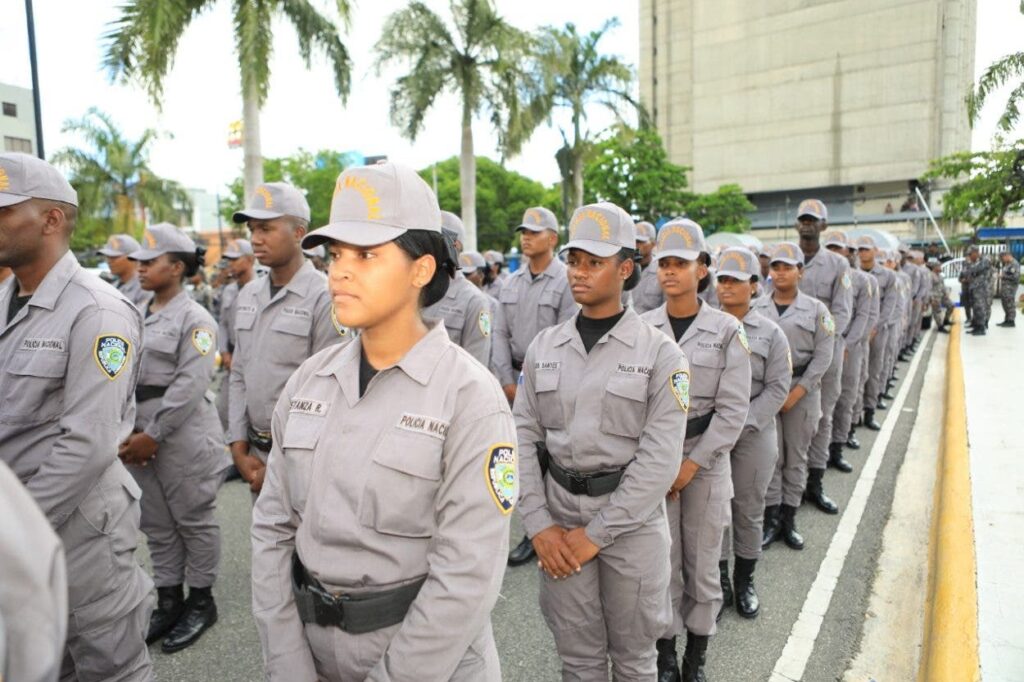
(787, 252)
(835, 238)
(493, 257)
(601, 229)
(471, 261)
(740, 263)
(376, 204)
(680, 238)
(160, 239)
(813, 208)
(238, 248)
(645, 232)
(538, 219)
(273, 200)
(865, 242)
(453, 223)
(24, 177)
(119, 245)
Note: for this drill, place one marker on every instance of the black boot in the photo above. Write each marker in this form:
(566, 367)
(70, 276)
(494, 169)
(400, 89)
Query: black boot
(880, 405)
(200, 615)
(903, 356)
(978, 331)
(790, 536)
(772, 529)
(747, 603)
(170, 602)
(668, 662)
(869, 420)
(815, 492)
(852, 441)
(523, 553)
(835, 458)
(693, 658)
(887, 395)
(723, 574)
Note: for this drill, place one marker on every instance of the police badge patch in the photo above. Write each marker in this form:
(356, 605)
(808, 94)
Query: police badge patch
(680, 384)
(202, 339)
(741, 332)
(502, 475)
(484, 322)
(846, 280)
(111, 354)
(828, 324)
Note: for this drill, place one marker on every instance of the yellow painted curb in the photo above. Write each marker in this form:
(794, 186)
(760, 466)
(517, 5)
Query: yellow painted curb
(951, 638)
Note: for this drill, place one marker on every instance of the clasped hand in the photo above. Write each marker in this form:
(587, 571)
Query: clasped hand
(562, 552)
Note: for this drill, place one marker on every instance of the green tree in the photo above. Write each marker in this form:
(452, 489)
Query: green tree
(1006, 70)
(141, 45)
(630, 168)
(726, 209)
(117, 191)
(479, 62)
(986, 185)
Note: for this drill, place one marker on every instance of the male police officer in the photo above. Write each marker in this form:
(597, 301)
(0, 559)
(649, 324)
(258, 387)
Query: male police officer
(240, 269)
(280, 320)
(69, 354)
(648, 294)
(116, 250)
(979, 284)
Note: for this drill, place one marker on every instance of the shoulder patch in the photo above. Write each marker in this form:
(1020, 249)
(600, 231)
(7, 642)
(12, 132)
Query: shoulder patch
(828, 323)
(741, 334)
(202, 339)
(679, 382)
(484, 322)
(111, 354)
(501, 472)
(338, 326)
(846, 280)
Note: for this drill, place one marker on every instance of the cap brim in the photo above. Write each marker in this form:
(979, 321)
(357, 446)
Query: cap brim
(839, 244)
(146, 254)
(110, 253)
(736, 274)
(685, 254)
(231, 255)
(7, 199)
(534, 228)
(594, 248)
(356, 233)
(787, 261)
(810, 215)
(643, 240)
(254, 214)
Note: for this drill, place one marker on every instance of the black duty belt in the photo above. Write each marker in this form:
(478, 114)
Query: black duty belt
(355, 614)
(144, 393)
(592, 485)
(801, 370)
(698, 425)
(259, 439)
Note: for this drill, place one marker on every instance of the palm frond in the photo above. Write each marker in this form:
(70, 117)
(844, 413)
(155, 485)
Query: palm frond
(999, 73)
(316, 30)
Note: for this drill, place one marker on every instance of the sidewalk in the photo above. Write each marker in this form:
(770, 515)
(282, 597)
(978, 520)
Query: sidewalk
(994, 381)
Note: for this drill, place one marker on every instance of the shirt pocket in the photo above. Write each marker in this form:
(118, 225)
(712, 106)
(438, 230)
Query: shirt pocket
(298, 445)
(160, 360)
(624, 406)
(291, 338)
(244, 321)
(401, 486)
(32, 386)
(454, 323)
(547, 308)
(508, 295)
(707, 367)
(549, 405)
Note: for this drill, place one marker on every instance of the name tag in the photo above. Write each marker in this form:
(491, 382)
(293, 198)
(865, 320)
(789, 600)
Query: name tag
(317, 408)
(43, 344)
(292, 311)
(710, 346)
(635, 370)
(246, 309)
(547, 366)
(421, 424)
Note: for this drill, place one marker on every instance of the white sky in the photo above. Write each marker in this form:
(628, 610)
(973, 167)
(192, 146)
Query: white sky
(202, 91)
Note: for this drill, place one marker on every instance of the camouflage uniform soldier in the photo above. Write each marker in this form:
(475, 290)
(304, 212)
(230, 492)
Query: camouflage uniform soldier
(941, 305)
(1009, 278)
(979, 283)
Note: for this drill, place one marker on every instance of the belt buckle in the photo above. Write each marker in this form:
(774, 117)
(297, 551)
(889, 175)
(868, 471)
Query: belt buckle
(579, 482)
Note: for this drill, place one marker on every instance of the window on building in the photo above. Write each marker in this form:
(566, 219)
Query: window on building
(10, 109)
(17, 144)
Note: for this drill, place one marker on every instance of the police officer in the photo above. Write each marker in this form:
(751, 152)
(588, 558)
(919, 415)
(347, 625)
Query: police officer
(754, 457)
(177, 452)
(380, 539)
(809, 328)
(497, 275)
(116, 250)
(464, 309)
(1009, 278)
(534, 297)
(240, 262)
(873, 328)
(716, 348)
(603, 401)
(978, 271)
(280, 320)
(917, 295)
(942, 307)
(647, 295)
(905, 288)
(68, 348)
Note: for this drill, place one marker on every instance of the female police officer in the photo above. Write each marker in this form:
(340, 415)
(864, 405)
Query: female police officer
(177, 450)
(698, 510)
(603, 399)
(753, 458)
(381, 534)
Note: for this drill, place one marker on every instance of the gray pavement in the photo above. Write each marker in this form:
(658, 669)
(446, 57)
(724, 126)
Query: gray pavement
(743, 651)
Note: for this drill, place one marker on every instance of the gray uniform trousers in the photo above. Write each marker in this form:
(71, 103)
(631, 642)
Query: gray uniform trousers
(796, 428)
(892, 351)
(616, 606)
(862, 380)
(753, 465)
(851, 385)
(696, 522)
(223, 394)
(876, 365)
(831, 388)
(913, 324)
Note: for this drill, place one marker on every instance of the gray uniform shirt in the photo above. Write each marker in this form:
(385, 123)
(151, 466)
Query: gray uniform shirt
(467, 317)
(70, 365)
(809, 328)
(716, 347)
(616, 406)
(529, 305)
(226, 323)
(771, 369)
(415, 478)
(827, 278)
(134, 292)
(875, 309)
(888, 296)
(273, 337)
(860, 323)
(647, 295)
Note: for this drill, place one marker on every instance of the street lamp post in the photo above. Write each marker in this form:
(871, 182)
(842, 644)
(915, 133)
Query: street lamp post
(35, 78)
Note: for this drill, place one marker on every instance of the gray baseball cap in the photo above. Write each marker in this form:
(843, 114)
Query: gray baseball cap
(273, 200)
(812, 207)
(680, 238)
(453, 223)
(494, 257)
(119, 245)
(238, 248)
(163, 238)
(787, 252)
(601, 229)
(835, 238)
(24, 177)
(375, 204)
(739, 263)
(865, 242)
(471, 261)
(645, 232)
(538, 219)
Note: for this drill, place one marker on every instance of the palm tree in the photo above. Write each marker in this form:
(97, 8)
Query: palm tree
(112, 175)
(141, 45)
(1009, 68)
(480, 62)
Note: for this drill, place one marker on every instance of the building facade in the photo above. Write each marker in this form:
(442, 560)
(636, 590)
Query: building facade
(17, 120)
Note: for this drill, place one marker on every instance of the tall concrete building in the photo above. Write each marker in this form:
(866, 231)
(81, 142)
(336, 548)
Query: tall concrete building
(17, 120)
(845, 100)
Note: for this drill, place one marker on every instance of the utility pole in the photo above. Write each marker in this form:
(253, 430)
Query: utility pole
(35, 78)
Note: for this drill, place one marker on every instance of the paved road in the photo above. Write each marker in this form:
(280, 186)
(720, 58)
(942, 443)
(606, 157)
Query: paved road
(743, 651)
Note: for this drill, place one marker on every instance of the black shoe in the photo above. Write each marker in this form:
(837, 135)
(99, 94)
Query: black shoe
(200, 615)
(668, 662)
(723, 574)
(978, 331)
(522, 554)
(815, 493)
(1008, 323)
(693, 658)
(869, 420)
(747, 603)
(880, 405)
(836, 460)
(851, 440)
(170, 603)
(772, 527)
(943, 330)
(887, 395)
(790, 536)
(902, 357)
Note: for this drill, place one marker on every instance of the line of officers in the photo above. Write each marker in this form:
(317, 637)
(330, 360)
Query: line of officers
(651, 406)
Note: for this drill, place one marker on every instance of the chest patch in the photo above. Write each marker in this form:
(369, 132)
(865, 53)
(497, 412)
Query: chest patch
(246, 309)
(292, 311)
(547, 366)
(202, 340)
(635, 370)
(111, 354)
(317, 408)
(420, 424)
(43, 344)
(501, 474)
